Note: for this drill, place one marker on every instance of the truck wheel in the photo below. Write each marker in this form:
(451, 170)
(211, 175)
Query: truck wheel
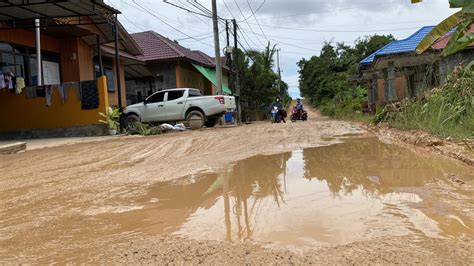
(130, 121)
(195, 119)
(211, 122)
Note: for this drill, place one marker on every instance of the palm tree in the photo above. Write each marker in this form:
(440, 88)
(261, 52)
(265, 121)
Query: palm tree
(461, 20)
(263, 59)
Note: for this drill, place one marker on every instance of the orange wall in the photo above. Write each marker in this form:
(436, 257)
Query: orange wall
(21, 113)
(113, 96)
(72, 69)
(380, 92)
(187, 76)
(401, 88)
(27, 38)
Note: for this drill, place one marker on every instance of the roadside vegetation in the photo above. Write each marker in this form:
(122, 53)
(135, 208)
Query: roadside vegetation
(447, 111)
(324, 78)
(259, 82)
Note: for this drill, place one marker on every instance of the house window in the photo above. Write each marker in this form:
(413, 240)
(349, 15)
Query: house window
(21, 61)
(108, 72)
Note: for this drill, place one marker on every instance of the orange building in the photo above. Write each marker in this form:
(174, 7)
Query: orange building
(79, 74)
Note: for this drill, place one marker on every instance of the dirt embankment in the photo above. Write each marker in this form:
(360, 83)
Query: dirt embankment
(423, 141)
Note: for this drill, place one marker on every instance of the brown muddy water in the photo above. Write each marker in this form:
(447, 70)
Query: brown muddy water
(356, 190)
(353, 191)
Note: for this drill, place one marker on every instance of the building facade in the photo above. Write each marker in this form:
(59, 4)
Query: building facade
(79, 77)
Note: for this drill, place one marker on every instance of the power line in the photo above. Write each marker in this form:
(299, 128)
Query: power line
(169, 25)
(161, 18)
(332, 31)
(186, 9)
(243, 36)
(255, 17)
(256, 10)
(209, 34)
(240, 10)
(232, 14)
(287, 44)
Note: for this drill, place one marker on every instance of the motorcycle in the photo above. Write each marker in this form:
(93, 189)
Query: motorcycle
(298, 115)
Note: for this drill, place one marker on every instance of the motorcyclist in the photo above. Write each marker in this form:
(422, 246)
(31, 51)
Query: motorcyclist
(277, 103)
(299, 105)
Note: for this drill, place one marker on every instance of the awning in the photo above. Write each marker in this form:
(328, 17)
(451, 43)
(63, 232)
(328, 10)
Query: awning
(210, 74)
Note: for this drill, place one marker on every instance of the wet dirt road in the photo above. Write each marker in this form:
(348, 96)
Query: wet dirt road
(321, 191)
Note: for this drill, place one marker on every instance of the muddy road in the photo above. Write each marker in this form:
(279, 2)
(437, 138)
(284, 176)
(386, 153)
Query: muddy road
(321, 191)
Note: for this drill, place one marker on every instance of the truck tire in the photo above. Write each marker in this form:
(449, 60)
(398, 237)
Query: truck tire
(211, 122)
(195, 119)
(130, 121)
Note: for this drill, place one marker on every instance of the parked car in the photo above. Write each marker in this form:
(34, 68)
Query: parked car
(179, 105)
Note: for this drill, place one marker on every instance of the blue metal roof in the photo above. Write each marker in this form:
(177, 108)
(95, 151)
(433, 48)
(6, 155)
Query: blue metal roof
(400, 46)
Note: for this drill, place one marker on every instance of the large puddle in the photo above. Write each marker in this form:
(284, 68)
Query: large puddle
(353, 191)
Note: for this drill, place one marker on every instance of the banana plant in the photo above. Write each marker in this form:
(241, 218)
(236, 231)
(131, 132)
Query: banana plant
(111, 117)
(461, 21)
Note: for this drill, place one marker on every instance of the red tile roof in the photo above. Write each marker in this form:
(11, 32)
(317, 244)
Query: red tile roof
(156, 47)
(441, 43)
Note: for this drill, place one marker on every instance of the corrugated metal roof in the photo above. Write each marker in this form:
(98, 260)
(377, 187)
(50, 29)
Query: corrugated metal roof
(399, 46)
(20, 9)
(441, 43)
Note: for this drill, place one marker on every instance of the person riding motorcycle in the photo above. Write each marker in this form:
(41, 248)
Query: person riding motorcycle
(277, 103)
(299, 105)
(298, 112)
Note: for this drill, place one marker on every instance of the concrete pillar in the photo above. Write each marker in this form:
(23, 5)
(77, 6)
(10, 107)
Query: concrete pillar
(443, 71)
(390, 93)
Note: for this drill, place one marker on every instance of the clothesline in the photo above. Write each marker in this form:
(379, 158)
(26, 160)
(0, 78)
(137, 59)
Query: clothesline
(89, 88)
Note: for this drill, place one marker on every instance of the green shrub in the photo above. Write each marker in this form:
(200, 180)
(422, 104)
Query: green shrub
(444, 111)
(145, 129)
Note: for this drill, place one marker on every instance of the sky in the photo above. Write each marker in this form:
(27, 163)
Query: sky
(298, 27)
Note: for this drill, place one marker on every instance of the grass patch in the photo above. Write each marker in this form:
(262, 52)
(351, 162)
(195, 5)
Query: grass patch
(447, 111)
(347, 107)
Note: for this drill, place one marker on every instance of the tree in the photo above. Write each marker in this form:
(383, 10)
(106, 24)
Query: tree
(461, 20)
(258, 81)
(323, 78)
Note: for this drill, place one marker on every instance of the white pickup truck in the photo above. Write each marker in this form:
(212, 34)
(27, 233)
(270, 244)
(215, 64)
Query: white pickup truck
(179, 105)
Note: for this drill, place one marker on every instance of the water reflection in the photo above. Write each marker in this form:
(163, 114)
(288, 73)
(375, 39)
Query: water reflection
(356, 190)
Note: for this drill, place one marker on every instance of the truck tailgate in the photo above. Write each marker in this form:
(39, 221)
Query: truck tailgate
(230, 102)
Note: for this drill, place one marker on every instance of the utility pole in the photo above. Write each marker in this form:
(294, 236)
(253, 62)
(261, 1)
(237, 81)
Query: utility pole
(227, 32)
(279, 72)
(217, 47)
(236, 69)
(39, 66)
(117, 63)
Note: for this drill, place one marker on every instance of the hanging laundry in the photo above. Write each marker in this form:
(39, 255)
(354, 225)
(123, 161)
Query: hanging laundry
(30, 92)
(20, 85)
(8, 82)
(40, 91)
(63, 91)
(90, 95)
(78, 92)
(2, 81)
(49, 94)
(72, 86)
